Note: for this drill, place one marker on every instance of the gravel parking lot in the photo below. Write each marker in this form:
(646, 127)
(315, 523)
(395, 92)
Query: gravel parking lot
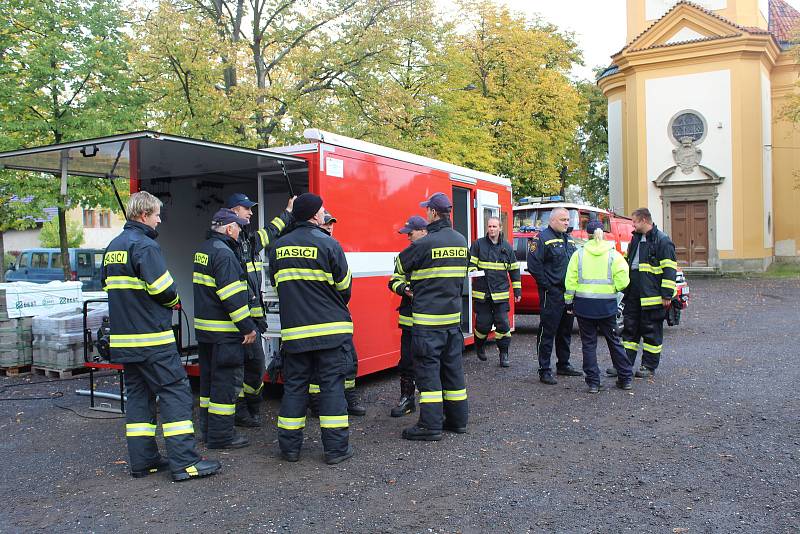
(711, 445)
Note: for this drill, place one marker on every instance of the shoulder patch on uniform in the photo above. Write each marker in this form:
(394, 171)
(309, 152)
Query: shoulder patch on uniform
(533, 244)
(201, 258)
(115, 256)
(296, 252)
(448, 252)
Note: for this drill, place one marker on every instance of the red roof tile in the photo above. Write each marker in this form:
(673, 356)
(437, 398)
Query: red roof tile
(784, 21)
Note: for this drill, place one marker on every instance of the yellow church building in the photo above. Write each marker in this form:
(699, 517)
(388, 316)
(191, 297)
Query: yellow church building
(695, 130)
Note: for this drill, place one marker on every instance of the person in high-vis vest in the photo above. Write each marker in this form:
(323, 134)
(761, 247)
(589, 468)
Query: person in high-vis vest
(493, 255)
(595, 274)
(223, 327)
(437, 268)
(354, 406)
(141, 296)
(416, 228)
(651, 257)
(309, 270)
(248, 405)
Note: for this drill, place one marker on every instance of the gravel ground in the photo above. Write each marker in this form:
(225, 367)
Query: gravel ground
(711, 445)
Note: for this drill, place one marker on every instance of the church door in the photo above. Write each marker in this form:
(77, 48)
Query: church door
(690, 232)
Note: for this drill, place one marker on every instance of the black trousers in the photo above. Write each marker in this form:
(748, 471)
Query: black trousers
(254, 369)
(440, 377)
(589, 328)
(160, 375)
(332, 366)
(646, 325)
(406, 365)
(555, 327)
(349, 377)
(488, 313)
(221, 373)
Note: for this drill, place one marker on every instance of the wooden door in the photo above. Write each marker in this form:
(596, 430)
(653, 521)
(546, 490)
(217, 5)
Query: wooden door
(690, 232)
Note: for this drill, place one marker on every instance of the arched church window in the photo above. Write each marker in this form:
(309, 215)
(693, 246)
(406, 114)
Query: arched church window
(687, 124)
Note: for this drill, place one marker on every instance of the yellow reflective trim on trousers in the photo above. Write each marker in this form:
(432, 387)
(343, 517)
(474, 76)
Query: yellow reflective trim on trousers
(177, 428)
(652, 349)
(430, 396)
(161, 283)
(455, 394)
(516, 285)
(440, 272)
(257, 311)
(254, 266)
(349, 384)
(209, 325)
(231, 289)
(173, 302)
(314, 275)
(405, 320)
(203, 279)
(333, 421)
(221, 409)
(120, 341)
(492, 266)
(650, 301)
(263, 236)
(278, 223)
(667, 264)
(669, 284)
(480, 295)
(503, 295)
(240, 313)
(501, 335)
(135, 430)
(436, 320)
(124, 282)
(631, 345)
(247, 389)
(291, 423)
(480, 335)
(204, 402)
(316, 330)
(313, 389)
(345, 283)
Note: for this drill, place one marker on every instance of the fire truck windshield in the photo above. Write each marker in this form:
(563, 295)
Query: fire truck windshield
(539, 217)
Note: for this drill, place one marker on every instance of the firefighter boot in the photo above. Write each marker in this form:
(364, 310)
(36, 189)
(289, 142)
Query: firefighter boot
(243, 417)
(354, 406)
(406, 404)
(480, 350)
(504, 358)
(203, 468)
(254, 406)
(419, 433)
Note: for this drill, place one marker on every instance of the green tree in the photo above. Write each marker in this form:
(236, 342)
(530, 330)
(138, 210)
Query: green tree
(65, 76)
(49, 236)
(18, 206)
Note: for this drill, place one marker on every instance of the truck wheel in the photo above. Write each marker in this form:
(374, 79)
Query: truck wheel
(673, 316)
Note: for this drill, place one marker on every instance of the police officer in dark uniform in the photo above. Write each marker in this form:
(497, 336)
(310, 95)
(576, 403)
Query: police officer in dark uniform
(309, 270)
(223, 327)
(141, 295)
(248, 405)
(494, 256)
(547, 262)
(437, 267)
(416, 227)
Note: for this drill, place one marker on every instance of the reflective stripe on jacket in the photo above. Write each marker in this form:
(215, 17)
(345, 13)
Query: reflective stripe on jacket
(548, 260)
(252, 246)
(498, 263)
(141, 294)
(657, 267)
(309, 270)
(595, 274)
(397, 284)
(221, 308)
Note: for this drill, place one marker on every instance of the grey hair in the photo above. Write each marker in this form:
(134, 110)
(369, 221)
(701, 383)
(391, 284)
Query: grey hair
(556, 211)
(220, 227)
(142, 203)
(494, 218)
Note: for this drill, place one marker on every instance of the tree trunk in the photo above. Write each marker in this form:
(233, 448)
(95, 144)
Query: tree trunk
(62, 237)
(3, 255)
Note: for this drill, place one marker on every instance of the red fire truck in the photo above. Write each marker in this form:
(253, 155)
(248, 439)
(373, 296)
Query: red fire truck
(371, 189)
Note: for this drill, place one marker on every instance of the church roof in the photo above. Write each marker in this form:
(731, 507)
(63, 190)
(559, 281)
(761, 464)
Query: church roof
(784, 22)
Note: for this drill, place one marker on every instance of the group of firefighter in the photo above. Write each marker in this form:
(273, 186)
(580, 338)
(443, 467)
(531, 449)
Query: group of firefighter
(317, 358)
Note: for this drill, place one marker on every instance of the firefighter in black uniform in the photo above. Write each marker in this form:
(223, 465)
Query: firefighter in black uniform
(651, 257)
(354, 406)
(248, 405)
(416, 227)
(437, 267)
(309, 270)
(223, 327)
(548, 258)
(490, 293)
(141, 295)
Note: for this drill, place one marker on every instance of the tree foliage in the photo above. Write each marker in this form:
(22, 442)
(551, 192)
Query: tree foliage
(49, 236)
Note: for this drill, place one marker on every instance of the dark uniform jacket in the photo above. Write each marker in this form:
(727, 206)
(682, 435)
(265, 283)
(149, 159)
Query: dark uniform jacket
(398, 284)
(498, 262)
(548, 260)
(436, 265)
(251, 248)
(657, 267)
(221, 310)
(141, 294)
(309, 270)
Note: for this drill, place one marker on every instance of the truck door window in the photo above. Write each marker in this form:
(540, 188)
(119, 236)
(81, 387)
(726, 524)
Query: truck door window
(40, 260)
(606, 220)
(55, 260)
(98, 260)
(585, 217)
(24, 260)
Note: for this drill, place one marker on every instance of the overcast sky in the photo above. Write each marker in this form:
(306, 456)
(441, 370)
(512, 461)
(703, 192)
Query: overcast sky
(598, 25)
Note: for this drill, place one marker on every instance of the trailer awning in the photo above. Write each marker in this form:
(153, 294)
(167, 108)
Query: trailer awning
(149, 155)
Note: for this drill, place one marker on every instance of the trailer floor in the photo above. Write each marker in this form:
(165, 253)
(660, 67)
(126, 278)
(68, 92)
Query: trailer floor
(712, 445)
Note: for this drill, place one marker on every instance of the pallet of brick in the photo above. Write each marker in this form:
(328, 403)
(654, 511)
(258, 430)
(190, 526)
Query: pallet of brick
(58, 338)
(15, 342)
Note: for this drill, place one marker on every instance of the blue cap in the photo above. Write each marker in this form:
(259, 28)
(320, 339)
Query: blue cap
(224, 216)
(437, 202)
(328, 218)
(592, 226)
(414, 222)
(239, 199)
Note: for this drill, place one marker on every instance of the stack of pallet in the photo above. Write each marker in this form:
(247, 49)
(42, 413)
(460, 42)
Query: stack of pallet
(58, 338)
(15, 344)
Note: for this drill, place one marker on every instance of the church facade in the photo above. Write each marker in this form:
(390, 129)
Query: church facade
(696, 132)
